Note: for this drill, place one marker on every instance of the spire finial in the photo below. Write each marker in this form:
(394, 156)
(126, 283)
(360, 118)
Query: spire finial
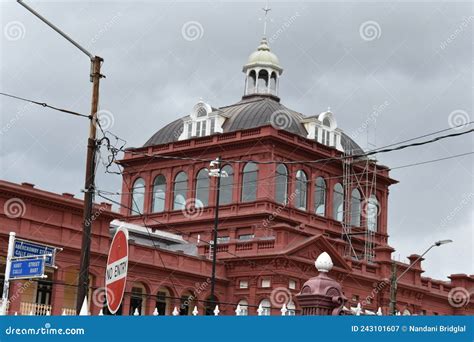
(266, 9)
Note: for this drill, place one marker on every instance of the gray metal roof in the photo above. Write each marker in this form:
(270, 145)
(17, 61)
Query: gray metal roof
(251, 112)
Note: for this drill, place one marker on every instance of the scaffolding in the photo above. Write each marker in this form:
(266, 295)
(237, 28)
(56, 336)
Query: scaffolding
(359, 173)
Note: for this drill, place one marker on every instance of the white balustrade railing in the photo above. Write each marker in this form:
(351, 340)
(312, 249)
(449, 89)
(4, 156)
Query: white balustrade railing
(34, 309)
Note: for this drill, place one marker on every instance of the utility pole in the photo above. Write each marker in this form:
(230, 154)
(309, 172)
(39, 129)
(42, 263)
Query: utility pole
(215, 171)
(89, 189)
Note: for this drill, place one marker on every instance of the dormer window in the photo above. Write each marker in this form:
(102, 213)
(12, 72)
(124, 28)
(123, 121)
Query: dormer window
(323, 129)
(201, 122)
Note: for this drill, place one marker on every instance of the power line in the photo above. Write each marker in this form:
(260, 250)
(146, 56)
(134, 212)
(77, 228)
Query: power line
(432, 161)
(355, 156)
(44, 104)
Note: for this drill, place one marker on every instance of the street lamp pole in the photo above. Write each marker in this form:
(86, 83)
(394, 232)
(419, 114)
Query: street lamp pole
(394, 279)
(89, 184)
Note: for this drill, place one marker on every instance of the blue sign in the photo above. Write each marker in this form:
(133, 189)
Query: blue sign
(24, 248)
(27, 268)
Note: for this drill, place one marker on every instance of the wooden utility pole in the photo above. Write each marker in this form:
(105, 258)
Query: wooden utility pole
(89, 187)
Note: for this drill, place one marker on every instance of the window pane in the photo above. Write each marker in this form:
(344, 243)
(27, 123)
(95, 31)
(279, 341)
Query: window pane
(338, 203)
(301, 190)
(266, 306)
(159, 194)
(281, 184)
(198, 128)
(190, 130)
(180, 189)
(355, 208)
(320, 197)
(202, 189)
(203, 128)
(249, 182)
(138, 196)
(213, 126)
(227, 185)
(372, 214)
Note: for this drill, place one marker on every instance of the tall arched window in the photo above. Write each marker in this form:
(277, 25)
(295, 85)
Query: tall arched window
(301, 190)
(262, 83)
(163, 301)
(227, 185)
(355, 208)
(138, 196)
(320, 197)
(266, 307)
(372, 213)
(180, 190)
(338, 203)
(249, 182)
(202, 189)
(159, 194)
(281, 184)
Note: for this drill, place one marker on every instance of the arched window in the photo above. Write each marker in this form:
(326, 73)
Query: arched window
(355, 208)
(210, 305)
(251, 82)
(137, 299)
(266, 307)
(188, 302)
(291, 308)
(273, 80)
(159, 194)
(244, 308)
(281, 184)
(372, 213)
(320, 197)
(338, 203)
(202, 189)
(249, 182)
(227, 185)
(262, 83)
(163, 301)
(180, 190)
(301, 190)
(138, 196)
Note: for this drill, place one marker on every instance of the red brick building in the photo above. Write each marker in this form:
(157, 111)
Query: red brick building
(296, 186)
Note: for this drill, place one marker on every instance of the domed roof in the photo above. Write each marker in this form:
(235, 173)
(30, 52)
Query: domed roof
(263, 57)
(251, 112)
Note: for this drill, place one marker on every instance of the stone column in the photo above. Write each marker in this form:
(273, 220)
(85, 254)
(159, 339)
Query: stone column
(321, 295)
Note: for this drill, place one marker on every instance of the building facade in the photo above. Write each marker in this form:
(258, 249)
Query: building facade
(292, 186)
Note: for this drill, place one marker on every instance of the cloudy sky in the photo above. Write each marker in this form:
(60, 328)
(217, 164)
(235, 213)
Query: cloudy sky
(402, 69)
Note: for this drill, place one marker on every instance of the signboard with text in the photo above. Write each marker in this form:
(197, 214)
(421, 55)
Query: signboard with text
(25, 248)
(27, 268)
(116, 270)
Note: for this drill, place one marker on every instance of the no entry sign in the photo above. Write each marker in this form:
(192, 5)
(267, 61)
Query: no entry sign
(116, 271)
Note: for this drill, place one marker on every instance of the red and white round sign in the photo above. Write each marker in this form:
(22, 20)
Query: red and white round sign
(116, 271)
